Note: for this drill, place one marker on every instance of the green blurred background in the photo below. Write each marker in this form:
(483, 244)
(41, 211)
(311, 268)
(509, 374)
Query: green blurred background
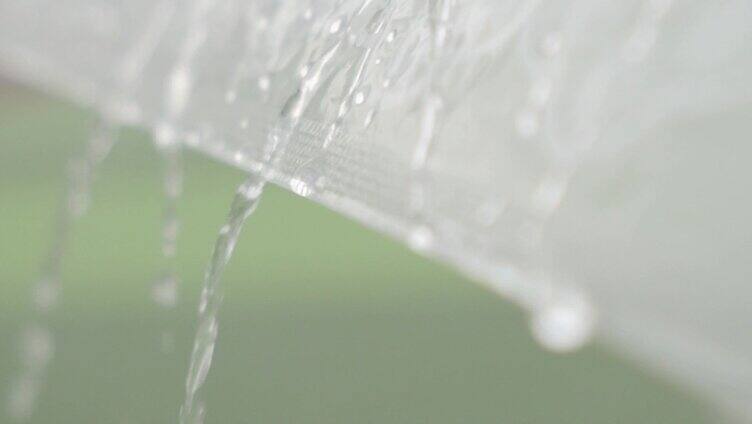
(324, 321)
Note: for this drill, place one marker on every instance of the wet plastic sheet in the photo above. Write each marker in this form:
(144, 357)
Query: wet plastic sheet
(585, 159)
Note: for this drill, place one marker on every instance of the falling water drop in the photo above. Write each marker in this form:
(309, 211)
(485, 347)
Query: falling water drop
(36, 349)
(179, 89)
(37, 341)
(164, 290)
(244, 203)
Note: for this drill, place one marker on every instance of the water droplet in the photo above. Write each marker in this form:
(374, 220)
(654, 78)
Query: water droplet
(359, 98)
(300, 187)
(79, 175)
(178, 90)
(564, 325)
(170, 235)
(203, 301)
(46, 294)
(164, 136)
(22, 398)
(335, 26)
(38, 345)
(165, 292)
(244, 123)
(420, 238)
(230, 96)
(203, 365)
(264, 82)
(391, 36)
(369, 118)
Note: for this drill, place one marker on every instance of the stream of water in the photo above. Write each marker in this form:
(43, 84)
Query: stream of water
(243, 204)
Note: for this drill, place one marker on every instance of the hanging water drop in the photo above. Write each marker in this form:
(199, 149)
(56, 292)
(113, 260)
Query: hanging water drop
(300, 187)
(179, 87)
(421, 238)
(564, 324)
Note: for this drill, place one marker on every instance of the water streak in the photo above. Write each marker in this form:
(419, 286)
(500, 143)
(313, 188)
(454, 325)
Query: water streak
(178, 90)
(165, 289)
(244, 203)
(439, 11)
(37, 342)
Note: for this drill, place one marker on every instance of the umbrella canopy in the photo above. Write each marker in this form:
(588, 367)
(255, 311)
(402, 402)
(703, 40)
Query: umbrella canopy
(585, 159)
